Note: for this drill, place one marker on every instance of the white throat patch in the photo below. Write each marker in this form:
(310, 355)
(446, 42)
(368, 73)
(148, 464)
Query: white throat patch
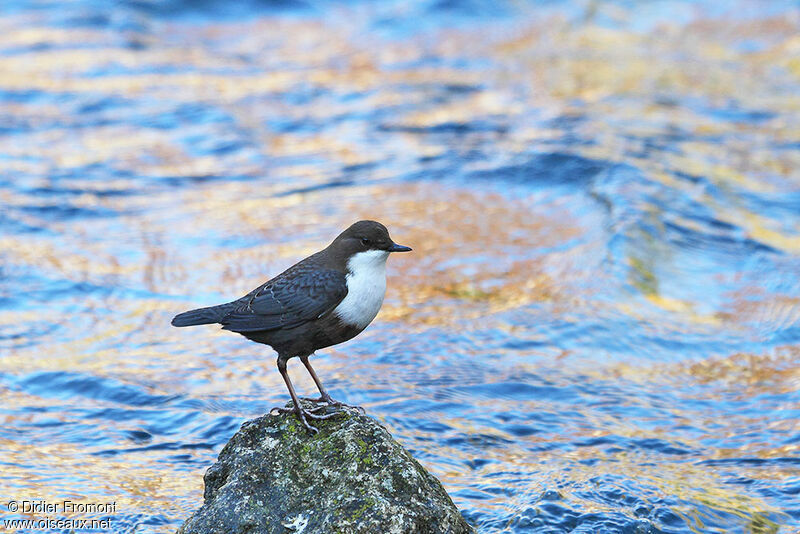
(366, 286)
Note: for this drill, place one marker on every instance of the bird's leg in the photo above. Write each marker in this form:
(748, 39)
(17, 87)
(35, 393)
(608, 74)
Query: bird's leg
(324, 396)
(298, 408)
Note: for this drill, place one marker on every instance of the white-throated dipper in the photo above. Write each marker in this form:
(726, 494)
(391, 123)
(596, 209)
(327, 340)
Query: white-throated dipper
(323, 300)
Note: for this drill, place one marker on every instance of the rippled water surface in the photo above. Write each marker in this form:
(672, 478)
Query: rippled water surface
(598, 329)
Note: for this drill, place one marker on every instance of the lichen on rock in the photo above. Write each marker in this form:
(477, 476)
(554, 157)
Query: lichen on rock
(351, 477)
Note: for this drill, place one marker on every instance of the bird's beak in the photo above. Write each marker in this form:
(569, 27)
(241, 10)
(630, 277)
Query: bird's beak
(399, 248)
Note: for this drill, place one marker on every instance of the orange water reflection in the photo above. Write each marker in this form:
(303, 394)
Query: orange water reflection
(166, 226)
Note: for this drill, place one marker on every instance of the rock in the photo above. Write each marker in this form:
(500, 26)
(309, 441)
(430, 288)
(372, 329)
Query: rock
(351, 477)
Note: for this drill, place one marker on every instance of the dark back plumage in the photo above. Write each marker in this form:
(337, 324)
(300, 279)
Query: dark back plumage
(304, 292)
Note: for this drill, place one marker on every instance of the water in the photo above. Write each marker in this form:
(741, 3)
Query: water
(598, 329)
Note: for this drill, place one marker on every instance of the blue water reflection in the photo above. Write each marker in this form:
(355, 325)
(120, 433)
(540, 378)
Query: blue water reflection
(598, 330)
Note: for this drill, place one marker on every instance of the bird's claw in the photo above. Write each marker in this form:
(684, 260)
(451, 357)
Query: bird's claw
(304, 414)
(277, 410)
(329, 401)
(301, 414)
(337, 404)
(310, 414)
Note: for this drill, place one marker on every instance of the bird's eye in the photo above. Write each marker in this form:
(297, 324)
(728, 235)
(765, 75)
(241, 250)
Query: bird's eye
(365, 241)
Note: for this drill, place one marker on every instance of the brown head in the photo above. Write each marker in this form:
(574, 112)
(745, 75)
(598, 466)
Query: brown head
(363, 236)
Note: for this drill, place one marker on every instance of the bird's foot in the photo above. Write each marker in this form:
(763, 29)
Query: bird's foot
(280, 410)
(329, 401)
(304, 415)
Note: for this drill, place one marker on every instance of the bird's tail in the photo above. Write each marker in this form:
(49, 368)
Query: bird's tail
(211, 315)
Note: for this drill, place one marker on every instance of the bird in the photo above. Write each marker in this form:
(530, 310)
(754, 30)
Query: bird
(323, 300)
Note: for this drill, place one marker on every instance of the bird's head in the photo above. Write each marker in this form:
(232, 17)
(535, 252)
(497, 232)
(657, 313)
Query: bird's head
(369, 237)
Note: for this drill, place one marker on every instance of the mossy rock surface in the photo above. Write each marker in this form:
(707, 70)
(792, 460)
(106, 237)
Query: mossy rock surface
(351, 477)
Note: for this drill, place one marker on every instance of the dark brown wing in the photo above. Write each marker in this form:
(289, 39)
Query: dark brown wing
(301, 294)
